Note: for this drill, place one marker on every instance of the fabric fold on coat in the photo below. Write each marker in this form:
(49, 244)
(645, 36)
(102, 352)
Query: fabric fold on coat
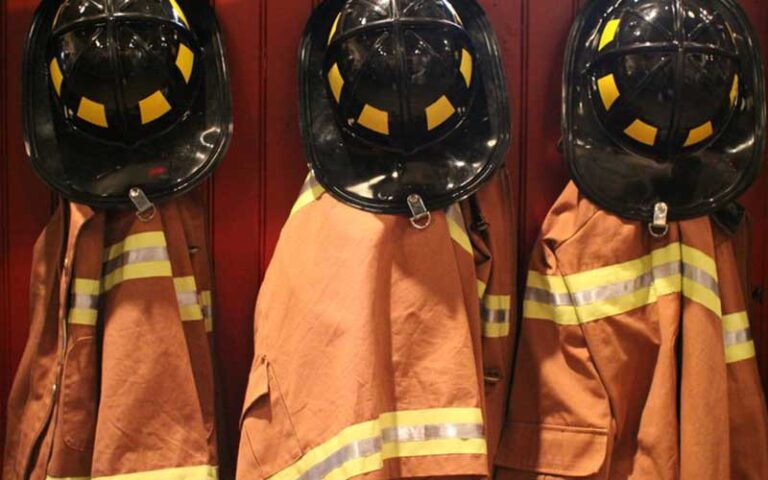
(377, 345)
(636, 359)
(116, 381)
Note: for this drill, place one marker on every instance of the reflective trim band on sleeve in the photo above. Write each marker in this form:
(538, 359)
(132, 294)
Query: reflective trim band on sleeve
(206, 303)
(84, 302)
(142, 255)
(495, 314)
(457, 229)
(604, 292)
(201, 472)
(333, 28)
(363, 448)
(310, 191)
(737, 337)
(186, 296)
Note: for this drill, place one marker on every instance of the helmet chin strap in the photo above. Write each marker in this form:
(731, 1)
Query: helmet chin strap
(145, 209)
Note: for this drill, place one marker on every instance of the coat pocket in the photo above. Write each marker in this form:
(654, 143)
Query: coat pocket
(79, 396)
(553, 450)
(268, 441)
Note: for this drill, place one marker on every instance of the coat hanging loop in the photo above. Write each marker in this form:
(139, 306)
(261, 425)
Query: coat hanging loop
(420, 216)
(145, 209)
(659, 228)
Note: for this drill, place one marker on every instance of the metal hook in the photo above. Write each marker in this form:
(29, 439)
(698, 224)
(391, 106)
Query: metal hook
(145, 209)
(659, 227)
(421, 218)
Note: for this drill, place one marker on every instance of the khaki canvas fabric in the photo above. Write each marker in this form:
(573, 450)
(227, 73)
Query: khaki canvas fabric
(116, 381)
(635, 359)
(382, 351)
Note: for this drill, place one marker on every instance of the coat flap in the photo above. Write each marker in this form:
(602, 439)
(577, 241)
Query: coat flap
(258, 385)
(553, 449)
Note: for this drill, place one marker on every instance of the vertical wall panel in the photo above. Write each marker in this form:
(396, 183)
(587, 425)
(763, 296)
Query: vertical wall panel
(26, 202)
(252, 191)
(237, 196)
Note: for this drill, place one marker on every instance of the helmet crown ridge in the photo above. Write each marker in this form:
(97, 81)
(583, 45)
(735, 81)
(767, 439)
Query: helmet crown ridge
(664, 76)
(122, 71)
(399, 72)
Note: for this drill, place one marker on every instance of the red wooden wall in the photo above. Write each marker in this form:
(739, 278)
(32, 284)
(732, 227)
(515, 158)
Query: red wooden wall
(254, 188)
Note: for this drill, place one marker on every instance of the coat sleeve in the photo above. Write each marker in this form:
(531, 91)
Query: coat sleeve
(559, 421)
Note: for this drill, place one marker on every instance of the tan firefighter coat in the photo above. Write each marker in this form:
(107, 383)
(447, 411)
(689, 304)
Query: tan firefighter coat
(116, 381)
(382, 351)
(635, 359)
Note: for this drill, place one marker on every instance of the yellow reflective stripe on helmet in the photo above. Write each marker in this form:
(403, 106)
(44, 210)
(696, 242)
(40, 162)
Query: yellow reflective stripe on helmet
(310, 191)
(466, 67)
(609, 90)
(153, 107)
(58, 14)
(734, 89)
(642, 132)
(185, 59)
(737, 337)
(363, 447)
(439, 112)
(609, 34)
(333, 28)
(374, 119)
(336, 81)
(92, 112)
(608, 291)
(56, 76)
(457, 229)
(699, 134)
(179, 12)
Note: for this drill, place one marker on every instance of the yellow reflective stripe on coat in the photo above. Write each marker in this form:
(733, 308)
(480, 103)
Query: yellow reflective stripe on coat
(457, 229)
(187, 298)
(142, 255)
(604, 292)
(206, 303)
(737, 337)
(363, 448)
(310, 191)
(84, 302)
(495, 314)
(198, 472)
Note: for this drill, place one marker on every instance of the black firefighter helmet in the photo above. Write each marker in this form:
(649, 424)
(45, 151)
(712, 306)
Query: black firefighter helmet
(124, 94)
(664, 106)
(402, 98)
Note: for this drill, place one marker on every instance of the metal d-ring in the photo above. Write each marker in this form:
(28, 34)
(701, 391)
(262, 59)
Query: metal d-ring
(145, 209)
(421, 218)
